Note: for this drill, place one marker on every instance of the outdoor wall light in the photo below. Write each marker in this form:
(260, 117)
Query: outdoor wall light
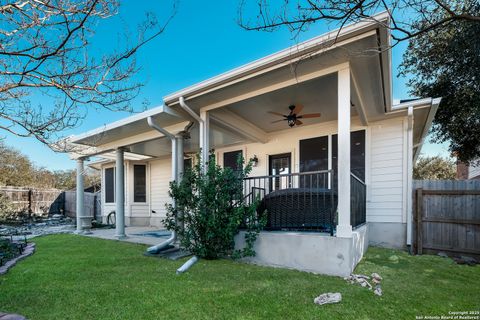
(254, 160)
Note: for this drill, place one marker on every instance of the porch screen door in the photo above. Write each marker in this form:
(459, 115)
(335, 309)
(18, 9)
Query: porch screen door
(314, 157)
(280, 164)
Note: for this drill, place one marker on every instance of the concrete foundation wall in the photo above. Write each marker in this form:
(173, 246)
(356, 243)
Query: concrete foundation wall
(308, 251)
(137, 221)
(389, 235)
(157, 222)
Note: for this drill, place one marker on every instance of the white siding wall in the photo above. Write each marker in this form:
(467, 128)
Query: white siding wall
(137, 209)
(160, 176)
(387, 177)
(474, 171)
(106, 207)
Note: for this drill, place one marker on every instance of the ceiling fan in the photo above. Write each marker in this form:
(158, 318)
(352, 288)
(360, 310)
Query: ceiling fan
(293, 117)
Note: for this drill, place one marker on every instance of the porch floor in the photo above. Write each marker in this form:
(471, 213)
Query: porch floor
(142, 235)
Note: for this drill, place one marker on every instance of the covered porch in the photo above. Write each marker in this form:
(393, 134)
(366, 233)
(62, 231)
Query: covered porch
(311, 177)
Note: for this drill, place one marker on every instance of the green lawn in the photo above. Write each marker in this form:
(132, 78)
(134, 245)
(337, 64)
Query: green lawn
(74, 277)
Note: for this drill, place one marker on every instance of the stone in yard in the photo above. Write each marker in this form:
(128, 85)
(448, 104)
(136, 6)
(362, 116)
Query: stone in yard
(11, 316)
(469, 260)
(375, 281)
(376, 276)
(378, 291)
(328, 298)
(393, 258)
(442, 254)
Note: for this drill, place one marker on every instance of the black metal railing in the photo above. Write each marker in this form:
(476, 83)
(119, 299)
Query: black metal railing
(297, 201)
(358, 198)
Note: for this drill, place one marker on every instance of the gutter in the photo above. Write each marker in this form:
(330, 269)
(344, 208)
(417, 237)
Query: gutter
(433, 110)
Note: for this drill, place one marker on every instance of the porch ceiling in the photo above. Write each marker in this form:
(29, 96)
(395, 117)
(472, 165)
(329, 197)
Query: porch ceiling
(161, 147)
(311, 81)
(317, 96)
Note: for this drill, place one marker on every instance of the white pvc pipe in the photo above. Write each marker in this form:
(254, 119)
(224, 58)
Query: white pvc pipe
(173, 237)
(409, 175)
(187, 264)
(203, 130)
(189, 110)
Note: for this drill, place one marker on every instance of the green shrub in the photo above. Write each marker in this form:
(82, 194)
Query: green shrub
(212, 208)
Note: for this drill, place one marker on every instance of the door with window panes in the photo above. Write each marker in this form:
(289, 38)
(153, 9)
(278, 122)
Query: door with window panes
(280, 164)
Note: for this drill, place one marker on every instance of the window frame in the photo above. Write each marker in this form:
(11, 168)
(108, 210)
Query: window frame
(331, 153)
(238, 151)
(134, 185)
(113, 185)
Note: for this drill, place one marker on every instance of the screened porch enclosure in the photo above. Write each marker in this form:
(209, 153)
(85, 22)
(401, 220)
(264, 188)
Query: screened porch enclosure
(308, 200)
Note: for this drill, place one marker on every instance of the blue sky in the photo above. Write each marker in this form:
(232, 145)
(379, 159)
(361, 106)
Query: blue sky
(201, 41)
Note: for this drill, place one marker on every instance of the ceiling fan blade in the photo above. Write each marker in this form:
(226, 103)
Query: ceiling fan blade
(278, 120)
(276, 113)
(298, 108)
(298, 122)
(310, 115)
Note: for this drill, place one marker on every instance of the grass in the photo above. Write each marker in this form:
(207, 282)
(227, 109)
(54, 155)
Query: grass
(74, 277)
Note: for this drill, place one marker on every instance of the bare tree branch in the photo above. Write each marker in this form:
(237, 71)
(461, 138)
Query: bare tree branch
(44, 50)
(404, 14)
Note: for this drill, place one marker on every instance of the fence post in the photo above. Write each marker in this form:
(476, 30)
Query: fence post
(419, 210)
(30, 200)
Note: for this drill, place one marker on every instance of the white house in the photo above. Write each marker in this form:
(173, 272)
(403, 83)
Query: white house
(358, 154)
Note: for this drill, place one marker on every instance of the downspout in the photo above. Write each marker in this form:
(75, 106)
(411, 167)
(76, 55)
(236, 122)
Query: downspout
(202, 125)
(161, 246)
(409, 177)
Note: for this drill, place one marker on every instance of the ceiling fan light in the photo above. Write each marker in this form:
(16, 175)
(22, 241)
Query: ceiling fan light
(291, 122)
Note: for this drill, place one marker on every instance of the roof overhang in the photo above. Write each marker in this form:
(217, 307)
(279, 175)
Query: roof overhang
(377, 26)
(424, 111)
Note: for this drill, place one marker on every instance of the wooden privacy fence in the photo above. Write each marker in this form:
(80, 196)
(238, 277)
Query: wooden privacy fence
(38, 202)
(447, 216)
(92, 204)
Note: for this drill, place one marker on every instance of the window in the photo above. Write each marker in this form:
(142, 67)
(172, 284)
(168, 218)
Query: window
(187, 164)
(313, 157)
(110, 185)
(230, 159)
(139, 183)
(357, 153)
(314, 154)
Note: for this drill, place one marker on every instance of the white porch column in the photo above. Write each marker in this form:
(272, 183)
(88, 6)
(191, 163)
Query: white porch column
(344, 228)
(80, 209)
(180, 167)
(119, 194)
(204, 137)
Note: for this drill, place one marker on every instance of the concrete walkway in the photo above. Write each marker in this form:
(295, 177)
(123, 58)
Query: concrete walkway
(142, 235)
